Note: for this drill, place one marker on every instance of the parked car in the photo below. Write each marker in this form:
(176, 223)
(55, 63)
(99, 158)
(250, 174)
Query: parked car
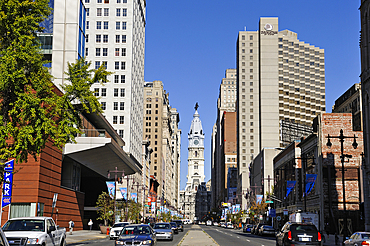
(266, 230)
(34, 231)
(247, 227)
(223, 224)
(215, 223)
(116, 229)
(163, 231)
(229, 225)
(358, 238)
(3, 240)
(298, 233)
(174, 227)
(257, 228)
(180, 226)
(209, 223)
(137, 234)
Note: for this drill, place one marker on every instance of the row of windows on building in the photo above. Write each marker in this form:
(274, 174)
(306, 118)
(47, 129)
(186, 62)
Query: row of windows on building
(104, 92)
(121, 119)
(105, 12)
(98, 38)
(105, 25)
(116, 106)
(107, 1)
(104, 52)
(117, 65)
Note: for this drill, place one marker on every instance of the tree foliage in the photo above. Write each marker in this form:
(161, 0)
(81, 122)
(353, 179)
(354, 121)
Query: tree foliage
(32, 109)
(105, 206)
(134, 209)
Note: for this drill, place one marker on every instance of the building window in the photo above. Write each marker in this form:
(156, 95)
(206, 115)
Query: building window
(116, 65)
(87, 12)
(124, 12)
(97, 51)
(116, 79)
(115, 105)
(106, 25)
(96, 92)
(118, 12)
(123, 65)
(87, 24)
(115, 92)
(123, 38)
(123, 53)
(106, 11)
(105, 51)
(124, 25)
(97, 64)
(124, 1)
(122, 92)
(98, 38)
(118, 25)
(117, 38)
(115, 118)
(87, 51)
(122, 106)
(99, 1)
(116, 51)
(123, 79)
(87, 38)
(105, 64)
(121, 133)
(105, 38)
(103, 105)
(98, 12)
(103, 92)
(122, 120)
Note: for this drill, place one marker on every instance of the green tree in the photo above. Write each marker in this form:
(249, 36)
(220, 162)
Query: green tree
(32, 109)
(134, 209)
(105, 206)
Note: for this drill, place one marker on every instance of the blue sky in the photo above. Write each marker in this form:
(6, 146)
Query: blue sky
(190, 44)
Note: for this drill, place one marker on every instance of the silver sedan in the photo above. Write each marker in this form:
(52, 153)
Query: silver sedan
(163, 231)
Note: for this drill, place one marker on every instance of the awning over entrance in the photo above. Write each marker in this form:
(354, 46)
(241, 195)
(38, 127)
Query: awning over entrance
(101, 154)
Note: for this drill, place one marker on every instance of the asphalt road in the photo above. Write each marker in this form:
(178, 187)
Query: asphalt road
(228, 237)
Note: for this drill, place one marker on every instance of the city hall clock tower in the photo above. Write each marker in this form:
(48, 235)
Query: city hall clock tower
(195, 153)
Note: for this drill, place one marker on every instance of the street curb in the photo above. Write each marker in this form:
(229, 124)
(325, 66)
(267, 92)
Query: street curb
(84, 240)
(210, 237)
(183, 238)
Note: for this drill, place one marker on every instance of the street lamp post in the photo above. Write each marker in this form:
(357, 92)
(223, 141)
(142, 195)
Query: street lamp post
(341, 138)
(116, 171)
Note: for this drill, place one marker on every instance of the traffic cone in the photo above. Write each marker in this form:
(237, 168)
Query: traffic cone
(108, 231)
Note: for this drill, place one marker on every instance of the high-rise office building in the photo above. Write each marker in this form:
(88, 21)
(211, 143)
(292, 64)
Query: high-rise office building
(176, 155)
(280, 90)
(115, 38)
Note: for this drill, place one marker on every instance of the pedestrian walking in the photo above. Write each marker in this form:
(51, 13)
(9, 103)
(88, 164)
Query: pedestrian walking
(90, 224)
(71, 224)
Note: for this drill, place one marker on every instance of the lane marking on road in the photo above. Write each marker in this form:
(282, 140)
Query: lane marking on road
(248, 240)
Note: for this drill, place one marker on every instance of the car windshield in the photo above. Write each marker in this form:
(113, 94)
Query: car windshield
(135, 230)
(365, 236)
(162, 226)
(307, 228)
(24, 225)
(268, 227)
(119, 225)
(249, 226)
(173, 224)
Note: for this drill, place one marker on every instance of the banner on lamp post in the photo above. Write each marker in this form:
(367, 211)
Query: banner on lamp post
(111, 188)
(7, 183)
(124, 193)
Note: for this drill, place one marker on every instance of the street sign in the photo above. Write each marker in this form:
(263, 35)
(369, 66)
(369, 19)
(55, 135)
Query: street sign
(272, 212)
(285, 211)
(54, 200)
(269, 201)
(278, 218)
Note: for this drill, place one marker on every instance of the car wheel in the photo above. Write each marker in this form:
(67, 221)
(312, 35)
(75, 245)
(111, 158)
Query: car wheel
(63, 243)
(111, 238)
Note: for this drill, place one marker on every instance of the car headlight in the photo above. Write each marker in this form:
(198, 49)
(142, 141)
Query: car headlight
(147, 242)
(32, 240)
(119, 243)
(170, 233)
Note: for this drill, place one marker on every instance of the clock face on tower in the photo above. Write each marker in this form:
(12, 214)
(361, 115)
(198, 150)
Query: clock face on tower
(196, 142)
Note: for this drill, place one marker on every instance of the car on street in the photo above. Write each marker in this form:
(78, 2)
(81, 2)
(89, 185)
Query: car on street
(358, 238)
(293, 233)
(180, 226)
(163, 231)
(116, 229)
(229, 225)
(209, 223)
(266, 230)
(174, 227)
(136, 234)
(223, 224)
(215, 223)
(247, 227)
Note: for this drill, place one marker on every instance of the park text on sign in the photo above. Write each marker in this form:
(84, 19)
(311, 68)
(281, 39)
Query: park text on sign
(7, 184)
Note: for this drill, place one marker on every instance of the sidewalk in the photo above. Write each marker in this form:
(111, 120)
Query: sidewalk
(84, 235)
(196, 236)
(331, 240)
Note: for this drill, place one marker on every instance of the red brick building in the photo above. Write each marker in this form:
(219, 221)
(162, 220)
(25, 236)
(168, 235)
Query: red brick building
(77, 174)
